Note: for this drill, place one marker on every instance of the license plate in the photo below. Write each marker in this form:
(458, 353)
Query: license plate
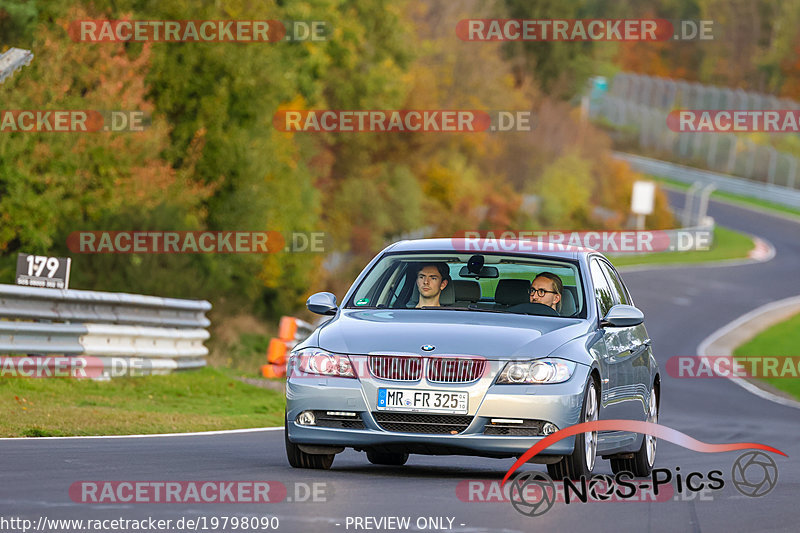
(437, 401)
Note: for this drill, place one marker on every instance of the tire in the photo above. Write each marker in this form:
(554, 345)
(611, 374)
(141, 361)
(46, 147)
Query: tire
(300, 459)
(641, 464)
(391, 459)
(581, 461)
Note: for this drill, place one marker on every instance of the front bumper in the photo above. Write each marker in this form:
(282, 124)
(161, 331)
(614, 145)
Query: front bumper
(559, 404)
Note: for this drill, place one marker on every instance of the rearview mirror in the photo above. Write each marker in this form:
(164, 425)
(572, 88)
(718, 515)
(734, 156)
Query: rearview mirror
(322, 303)
(485, 272)
(622, 316)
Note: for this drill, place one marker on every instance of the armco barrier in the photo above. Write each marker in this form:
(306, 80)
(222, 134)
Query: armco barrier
(638, 107)
(732, 184)
(113, 328)
(291, 331)
(13, 60)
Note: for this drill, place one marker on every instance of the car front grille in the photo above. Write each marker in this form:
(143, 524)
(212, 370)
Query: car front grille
(439, 369)
(396, 367)
(455, 369)
(422, 423)
(528, 428)
(328, 419)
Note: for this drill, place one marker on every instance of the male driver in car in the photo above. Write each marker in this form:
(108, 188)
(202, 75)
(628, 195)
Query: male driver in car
(546, 288)
(432, 278)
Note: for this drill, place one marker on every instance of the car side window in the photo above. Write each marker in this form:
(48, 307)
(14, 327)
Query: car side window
(602, 291)
(615, 284)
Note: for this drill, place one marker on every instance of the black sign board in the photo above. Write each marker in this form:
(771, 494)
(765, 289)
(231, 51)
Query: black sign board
(43, 271)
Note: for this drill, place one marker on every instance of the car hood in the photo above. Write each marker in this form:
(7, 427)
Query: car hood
(491, 335)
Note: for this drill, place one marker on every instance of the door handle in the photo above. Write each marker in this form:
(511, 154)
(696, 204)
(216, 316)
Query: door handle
(638, 348)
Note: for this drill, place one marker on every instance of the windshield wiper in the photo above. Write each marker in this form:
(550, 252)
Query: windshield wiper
(480, 309)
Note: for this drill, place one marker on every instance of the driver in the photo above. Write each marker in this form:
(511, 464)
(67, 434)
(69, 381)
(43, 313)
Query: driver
(432, 278)
(546, 288)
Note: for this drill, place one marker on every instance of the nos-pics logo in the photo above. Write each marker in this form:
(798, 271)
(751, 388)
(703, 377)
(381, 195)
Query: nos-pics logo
(753, 474)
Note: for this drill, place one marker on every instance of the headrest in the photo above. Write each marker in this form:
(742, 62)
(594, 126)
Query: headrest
(466, 290)
(567, 303)
(512, 291)
(447, 297)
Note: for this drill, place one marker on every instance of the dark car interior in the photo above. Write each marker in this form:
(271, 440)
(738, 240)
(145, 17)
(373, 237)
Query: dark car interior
(511, 295)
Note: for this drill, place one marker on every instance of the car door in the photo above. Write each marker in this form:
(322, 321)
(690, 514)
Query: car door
(628, 347)
(618, 395)
(639, 343)
(608, 352)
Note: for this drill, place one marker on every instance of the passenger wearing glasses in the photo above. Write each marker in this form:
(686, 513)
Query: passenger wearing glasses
(546, 289)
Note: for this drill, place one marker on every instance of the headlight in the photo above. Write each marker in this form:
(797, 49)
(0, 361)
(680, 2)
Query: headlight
(319, 362)
(536, 371)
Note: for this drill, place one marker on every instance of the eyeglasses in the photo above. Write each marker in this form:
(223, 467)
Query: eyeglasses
(540, 292)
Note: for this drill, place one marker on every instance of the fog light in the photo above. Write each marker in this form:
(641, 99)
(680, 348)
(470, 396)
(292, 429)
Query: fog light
(549, 429)
(306, 418)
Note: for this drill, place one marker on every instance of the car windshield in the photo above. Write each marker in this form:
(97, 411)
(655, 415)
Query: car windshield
(479, 283)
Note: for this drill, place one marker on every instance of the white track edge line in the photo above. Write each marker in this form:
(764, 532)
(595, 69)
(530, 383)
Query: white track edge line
(710, 264)
(191, 434)
(727, 328)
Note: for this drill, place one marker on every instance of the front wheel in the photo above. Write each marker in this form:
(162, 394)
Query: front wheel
(581, 461)
(300, 459)
(641, 464)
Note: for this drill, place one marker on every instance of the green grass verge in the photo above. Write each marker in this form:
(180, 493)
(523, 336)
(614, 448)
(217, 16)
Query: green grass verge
(734, 198)
(782, 339)
(247, 355)
(200, 400)
(728, 244)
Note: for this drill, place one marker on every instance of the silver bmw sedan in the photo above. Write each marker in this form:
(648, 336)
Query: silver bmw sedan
(444, 347)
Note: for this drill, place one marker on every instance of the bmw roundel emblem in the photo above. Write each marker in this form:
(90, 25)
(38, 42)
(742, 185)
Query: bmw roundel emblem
(428, 347)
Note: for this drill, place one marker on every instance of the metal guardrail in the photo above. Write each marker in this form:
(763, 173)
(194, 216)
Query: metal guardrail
(104, 307)
(13, 60)
(157, 334)
(638, 106)
(724, 182)
(33, 337)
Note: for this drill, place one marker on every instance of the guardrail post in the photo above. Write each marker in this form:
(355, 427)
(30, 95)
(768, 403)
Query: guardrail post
(732, 156)
(686, 219)
(704, 196)
(751, 159)
(773, 164)
(712, 151)
(792, 172)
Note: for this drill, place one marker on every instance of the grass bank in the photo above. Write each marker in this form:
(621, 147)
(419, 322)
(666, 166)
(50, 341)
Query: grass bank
(728, 244)
(782, 339)
(202, 400)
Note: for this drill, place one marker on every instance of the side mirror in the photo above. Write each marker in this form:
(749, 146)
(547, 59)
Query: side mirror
(622, 316)
(322, 303)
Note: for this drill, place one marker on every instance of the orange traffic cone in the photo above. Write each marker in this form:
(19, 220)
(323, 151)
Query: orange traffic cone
(287, 329)
(276, 353)
(273, 371)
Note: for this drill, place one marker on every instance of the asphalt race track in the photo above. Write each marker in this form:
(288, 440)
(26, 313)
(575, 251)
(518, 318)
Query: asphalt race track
(682, 306)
